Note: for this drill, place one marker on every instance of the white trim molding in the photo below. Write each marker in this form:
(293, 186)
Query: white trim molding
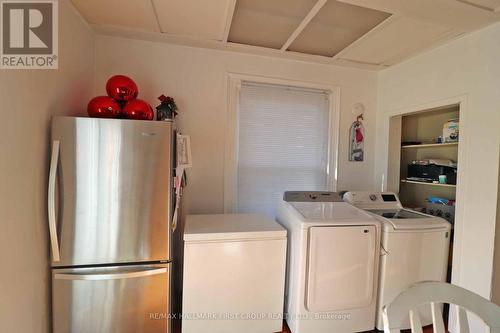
(312, 13)
(234, 82)
(229, 19)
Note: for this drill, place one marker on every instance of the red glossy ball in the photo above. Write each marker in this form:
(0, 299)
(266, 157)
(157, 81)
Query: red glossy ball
(103, 107)
(121, 88)
(138, 109)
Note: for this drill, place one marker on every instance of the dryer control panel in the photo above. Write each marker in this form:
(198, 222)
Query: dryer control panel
(311, 196)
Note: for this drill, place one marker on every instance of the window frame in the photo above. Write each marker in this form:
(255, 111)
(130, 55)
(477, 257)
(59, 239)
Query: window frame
(234, 83)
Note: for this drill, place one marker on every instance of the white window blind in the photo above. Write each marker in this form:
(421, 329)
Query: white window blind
(283, 140)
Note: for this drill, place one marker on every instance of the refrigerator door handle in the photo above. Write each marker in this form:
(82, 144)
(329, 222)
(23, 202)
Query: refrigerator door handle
(110, 276)
(51, 201)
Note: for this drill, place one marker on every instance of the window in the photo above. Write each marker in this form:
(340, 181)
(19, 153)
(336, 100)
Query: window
(283, 144)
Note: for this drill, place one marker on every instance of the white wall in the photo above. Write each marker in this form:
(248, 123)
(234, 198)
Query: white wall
(469, 66)
(28, 99)
(495, 297)
(197, 79)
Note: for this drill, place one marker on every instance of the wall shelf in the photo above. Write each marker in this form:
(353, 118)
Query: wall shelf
(428, 184)
(431, 145)
(424, 127)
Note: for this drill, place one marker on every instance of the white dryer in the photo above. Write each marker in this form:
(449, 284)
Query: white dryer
(414, 247)
(333, 260)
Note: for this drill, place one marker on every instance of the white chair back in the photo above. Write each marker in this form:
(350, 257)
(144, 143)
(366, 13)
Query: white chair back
(436, 293)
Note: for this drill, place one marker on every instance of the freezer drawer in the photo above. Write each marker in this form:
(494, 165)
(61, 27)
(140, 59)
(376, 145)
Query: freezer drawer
(113, 181)
(125, 299)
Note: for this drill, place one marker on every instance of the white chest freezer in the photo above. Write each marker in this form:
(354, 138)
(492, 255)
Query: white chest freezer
(234, 274)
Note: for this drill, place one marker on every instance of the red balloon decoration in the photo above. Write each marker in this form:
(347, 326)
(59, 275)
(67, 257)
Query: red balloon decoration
(103, 107)
(138, 109)
(121, 88)
(121, 101)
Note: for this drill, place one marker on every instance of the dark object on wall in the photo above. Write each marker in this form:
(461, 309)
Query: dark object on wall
(103, 107)
(167, 109)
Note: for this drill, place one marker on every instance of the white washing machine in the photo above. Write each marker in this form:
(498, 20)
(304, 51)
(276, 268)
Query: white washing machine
(414, 247)
(332, 264)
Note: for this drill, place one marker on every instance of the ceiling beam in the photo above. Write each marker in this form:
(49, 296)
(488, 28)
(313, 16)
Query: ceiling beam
(316, 8)
(229, 19)
(155, 12)
(477, 5)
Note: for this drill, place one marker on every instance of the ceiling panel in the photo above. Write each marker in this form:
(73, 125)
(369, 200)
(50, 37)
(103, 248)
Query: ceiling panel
(394, 41)
(134, 14)
(267, 23)
(336, 26)
(205, 19)
(453, 13)
(358, 33)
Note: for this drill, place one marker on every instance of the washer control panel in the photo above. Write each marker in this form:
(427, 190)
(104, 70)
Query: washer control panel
(374, 200)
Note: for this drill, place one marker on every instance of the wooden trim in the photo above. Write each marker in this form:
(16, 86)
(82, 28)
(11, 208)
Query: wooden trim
(231, 145)
(316, 8)
(229, 19)
(334, 138)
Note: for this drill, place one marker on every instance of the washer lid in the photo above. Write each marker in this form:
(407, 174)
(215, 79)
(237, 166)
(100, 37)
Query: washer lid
(329, 211)
(402, 219)
(212, 227)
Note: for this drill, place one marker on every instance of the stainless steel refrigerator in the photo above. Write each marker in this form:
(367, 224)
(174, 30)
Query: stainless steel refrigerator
(110, 210)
